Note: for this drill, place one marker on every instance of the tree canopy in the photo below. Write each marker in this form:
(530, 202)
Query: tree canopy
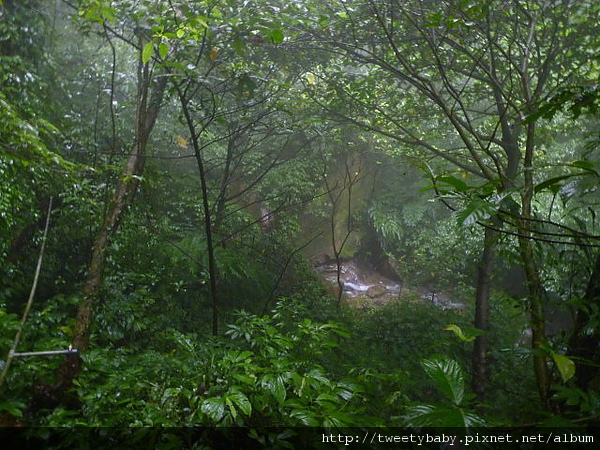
(323, 214)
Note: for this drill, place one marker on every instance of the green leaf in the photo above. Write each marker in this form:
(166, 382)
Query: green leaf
(231, 407)
(238, 45)
(338, 329)
(240, 399)
(163, 50)
(214, 408)
(13, 407)
(336, 419)
(441, 416)
(434, 20)
(327, 401)
(276, 36)
(459, 332)
(456, 183)
(199, 20)
(310, 78)
(244, 378)
(475, 211)
(587, 166)
(275, 384)
(109, 13)
(244, 355)
(565, 366)
(552, 182)
(347, 390)
(583, 165)
(147, 52)
(305, 417)
(448, 377)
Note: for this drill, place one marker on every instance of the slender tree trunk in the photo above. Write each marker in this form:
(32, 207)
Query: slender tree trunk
(482, 295)
(534, 285)
(537, 318)
(334, 198)
(149, 102)
(337, 251)
(338, 195)
(208, 223)
(126, 186)
(225, 183)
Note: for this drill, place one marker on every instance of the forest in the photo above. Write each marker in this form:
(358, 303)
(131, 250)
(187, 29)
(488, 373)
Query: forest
(301, 213)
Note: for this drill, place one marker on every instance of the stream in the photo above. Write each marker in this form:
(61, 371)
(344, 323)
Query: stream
(360, 281)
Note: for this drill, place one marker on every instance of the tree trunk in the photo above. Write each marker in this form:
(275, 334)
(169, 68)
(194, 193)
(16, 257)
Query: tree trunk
(482, 295)
(537, 318)
(148, 105)
(208, 222)
(535, 289)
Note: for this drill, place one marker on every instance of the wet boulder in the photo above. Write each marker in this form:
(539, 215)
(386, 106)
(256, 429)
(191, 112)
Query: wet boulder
(376, 291)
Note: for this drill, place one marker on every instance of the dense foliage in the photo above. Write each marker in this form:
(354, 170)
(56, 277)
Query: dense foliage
(197, 160)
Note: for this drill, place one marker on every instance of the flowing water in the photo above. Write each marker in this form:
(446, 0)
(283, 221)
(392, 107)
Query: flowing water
(361, 281)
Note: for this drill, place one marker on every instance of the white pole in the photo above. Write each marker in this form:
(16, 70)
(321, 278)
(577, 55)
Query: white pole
(48, 352)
